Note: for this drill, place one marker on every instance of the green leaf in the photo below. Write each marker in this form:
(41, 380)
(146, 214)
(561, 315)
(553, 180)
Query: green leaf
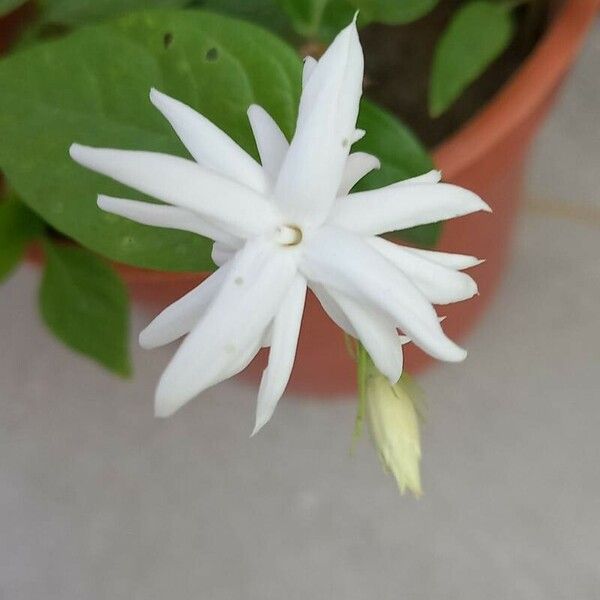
(394, 12)
(84, 303)
(478, 33)
(18, 226)
(7, 6)
(402, 156)
(267, 13)
(337, 15)
(78, 12)
(92, 87)
(318, 18)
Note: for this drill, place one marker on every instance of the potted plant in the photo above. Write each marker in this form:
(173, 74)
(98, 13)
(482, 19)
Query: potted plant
(473, 79)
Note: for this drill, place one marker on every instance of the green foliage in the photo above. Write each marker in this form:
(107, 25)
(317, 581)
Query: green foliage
(393, 12)
(478, 33)
(7, 6)
(18, 226)
(92, 87)
(267, 13)
(402, 156)
(84, 303)
(80, 12)
(324, 18)
(318, 18)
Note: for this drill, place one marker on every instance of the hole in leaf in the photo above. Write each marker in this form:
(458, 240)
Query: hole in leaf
(167, 39)
(212, 54)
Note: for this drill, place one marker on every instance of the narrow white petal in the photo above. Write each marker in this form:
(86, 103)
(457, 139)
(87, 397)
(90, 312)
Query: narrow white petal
(458, 262)
(377, 333)
(284, 340)
(231, 206)
(358, 165)
(429, 177)
(344, 262)
(267, 336)
(180, 317)
(163, 215)
(270, 141)
(404, 339)
(312, 170)
(438, 284)
(403, 205)
(333, 309)
(210, 146)
(221, 253)
(230, 331)
(359, 134)
(310, 65)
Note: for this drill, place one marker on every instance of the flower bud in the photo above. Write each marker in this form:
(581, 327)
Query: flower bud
(394, 425)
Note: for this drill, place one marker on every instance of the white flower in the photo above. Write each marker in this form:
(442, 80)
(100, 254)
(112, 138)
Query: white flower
(285, 225)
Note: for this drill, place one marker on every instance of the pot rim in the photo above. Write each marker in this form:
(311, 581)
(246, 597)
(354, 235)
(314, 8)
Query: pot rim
(527, 90)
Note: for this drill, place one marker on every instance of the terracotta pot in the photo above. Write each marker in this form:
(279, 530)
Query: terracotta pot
(487, 156)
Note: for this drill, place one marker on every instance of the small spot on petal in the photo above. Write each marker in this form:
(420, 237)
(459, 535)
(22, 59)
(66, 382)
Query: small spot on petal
(239, 281)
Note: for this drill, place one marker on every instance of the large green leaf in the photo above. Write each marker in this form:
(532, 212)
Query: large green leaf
(7, 6)
(77, 12)
(18, 226)
(92, 87)
(393, 11)
(84, 303)
(402, 156)
(478, 33)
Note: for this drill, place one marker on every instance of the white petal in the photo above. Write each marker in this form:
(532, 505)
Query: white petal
(358, 165)
(377, 333)
(230, 331)
(312, 170)
(359, 134)
(333, 309)
(343, 261)
(438, 284)
(163, 215)
(310, 65)
(429, 177)
(267, 336)
(284, 340)
(230, 205)
(447, 259)
(221, 253)
(180, 317)
(210, 146)
(270, 141)
(403, 205)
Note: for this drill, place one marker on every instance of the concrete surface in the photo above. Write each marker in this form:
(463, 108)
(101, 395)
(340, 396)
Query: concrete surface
(100, 501)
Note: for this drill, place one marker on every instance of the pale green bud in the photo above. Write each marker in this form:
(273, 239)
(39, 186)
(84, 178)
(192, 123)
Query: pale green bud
(394, 425)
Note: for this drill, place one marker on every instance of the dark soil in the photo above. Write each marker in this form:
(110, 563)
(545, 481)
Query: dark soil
(398, 65)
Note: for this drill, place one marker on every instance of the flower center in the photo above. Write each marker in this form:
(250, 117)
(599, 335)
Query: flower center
(288, 235)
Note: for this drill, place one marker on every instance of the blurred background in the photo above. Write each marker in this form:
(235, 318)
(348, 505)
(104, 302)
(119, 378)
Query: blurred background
(99, 500)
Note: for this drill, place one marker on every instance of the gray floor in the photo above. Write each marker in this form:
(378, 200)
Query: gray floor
(100, 501)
